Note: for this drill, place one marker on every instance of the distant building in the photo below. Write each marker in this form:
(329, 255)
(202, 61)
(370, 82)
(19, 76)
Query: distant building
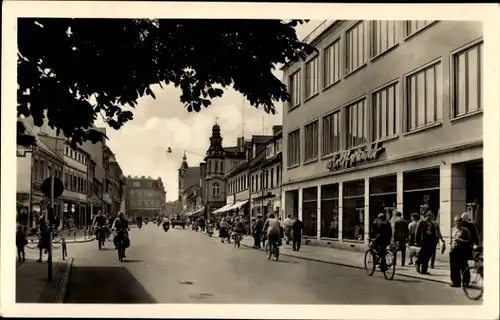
(114, 183)
(190, 197)
(145, 196)
(217, 163)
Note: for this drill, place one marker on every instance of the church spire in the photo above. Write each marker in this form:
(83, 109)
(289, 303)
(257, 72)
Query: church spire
(215, 148)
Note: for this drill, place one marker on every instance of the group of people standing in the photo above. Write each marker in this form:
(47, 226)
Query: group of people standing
(423, 234)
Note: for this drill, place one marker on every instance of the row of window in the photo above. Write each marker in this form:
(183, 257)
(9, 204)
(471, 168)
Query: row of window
(74, 154)
(422, 107)
(42, 169)
(75, 180)
(215, 166)
(144, 193)
(362, 40)
(237, 184)
(266, 179)
(137, 184)
(145, 204)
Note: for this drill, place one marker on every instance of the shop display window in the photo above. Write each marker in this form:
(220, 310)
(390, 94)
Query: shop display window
(330, 211)
(353, 210)
(383, 196)
(421, 192)
(310, 211)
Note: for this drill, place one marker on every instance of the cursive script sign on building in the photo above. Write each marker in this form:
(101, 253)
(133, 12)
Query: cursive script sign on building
(350, 158)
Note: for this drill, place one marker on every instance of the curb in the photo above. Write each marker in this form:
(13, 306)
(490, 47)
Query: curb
(63, 283)
(81, 241)
(352, 266)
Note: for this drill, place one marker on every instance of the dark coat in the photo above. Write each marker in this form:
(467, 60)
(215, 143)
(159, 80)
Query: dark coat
(400, 230)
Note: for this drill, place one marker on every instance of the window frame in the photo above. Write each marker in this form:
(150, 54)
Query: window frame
(297, 163)
(407, 35)
(291, 104)
(366, 46)
(430, 64)
(372, 39)
(313, 59)
(331, 113)
(314, 157)
(453, 55)
(397, 110)
(215, 189)
(336, 40)
(346, 120)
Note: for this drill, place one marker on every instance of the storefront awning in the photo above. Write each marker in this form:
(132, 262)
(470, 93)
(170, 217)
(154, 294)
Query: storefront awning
(224, 208)
(264, 197)
(193, 213)
(237, 205)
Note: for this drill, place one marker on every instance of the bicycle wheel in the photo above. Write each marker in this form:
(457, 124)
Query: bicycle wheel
(57, 241)
(32, 241)
(269, 252)
(474, 290)
(370, 262)
(390, 270)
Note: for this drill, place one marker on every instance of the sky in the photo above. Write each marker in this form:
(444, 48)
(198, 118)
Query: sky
(140, 145)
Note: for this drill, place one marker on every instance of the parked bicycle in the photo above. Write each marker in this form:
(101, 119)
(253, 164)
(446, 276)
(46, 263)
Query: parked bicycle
(272, 249)
(386, 263)
(474, 289)
(34, 235)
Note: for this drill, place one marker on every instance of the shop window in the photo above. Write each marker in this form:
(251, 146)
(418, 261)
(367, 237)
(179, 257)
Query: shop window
(353, 210)
(331, 62)
(356, 125)
(293, 151)
(421, 189)
(474, 194)
(385, 103)
(413, 26)
(310, 211)
(295, 89)
(468, 80)
(331, 133)
(356, 46)
(383, 197)
(330, 211)
(311, 136)
(312, 78)
(385, 35)
(424, 98)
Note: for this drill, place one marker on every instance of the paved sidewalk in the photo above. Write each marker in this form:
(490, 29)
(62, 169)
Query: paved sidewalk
(440, 273)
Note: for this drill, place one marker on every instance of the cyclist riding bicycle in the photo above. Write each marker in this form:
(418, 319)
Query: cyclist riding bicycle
(238, 228)
(139, 222)
(121, 228)
(272, 230)
(380, 236)
(100, 224)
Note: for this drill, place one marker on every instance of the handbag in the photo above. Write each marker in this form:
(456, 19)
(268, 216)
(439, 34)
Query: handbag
(443, 247)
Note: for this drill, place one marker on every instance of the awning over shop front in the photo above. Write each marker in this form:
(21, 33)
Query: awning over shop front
(224, 208)
(237, 205)
(196, 212)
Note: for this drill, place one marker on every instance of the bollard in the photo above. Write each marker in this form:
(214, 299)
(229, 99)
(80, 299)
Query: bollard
(64, 249)
(74, 236)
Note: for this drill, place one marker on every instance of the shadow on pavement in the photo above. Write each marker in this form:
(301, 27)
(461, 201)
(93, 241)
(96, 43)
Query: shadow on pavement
(131, 260)
(105, 285)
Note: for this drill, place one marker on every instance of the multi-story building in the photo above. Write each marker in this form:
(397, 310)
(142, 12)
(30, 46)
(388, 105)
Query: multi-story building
(217, 163)
(33, 166)
(386, 116)
(145, 196)
(114, 183)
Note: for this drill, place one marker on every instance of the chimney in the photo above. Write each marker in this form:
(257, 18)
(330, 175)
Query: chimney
(240, 143)
(277, 129)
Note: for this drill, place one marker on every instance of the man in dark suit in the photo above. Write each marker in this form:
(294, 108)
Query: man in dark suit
(400, 237)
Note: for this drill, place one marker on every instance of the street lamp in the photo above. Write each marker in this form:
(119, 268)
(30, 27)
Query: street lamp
(171, 150)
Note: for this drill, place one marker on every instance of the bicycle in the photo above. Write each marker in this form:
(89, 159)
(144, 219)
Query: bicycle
(33, 238)
(237, 239)
(476, 276)
(388, 269)
(120, 245)
(272, 249)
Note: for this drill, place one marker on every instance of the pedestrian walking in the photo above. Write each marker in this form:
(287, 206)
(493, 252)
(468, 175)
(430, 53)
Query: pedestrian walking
(426, 240)
(287, 225)
(412, 231)
(438, 237)
(400, 237)
(460, 246)
(21, 242)
(297, 227)
(44, 241)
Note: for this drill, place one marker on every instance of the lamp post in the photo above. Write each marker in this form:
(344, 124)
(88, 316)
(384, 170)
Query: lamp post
(171, 150)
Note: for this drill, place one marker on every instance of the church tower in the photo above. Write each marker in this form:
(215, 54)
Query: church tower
(182, 171)
(214, 183)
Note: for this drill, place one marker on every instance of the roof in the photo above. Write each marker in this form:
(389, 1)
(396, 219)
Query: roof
(239, 168)
(260, 139)
(276, 158)
(257, 160)
(191, 177)
(39, 142)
